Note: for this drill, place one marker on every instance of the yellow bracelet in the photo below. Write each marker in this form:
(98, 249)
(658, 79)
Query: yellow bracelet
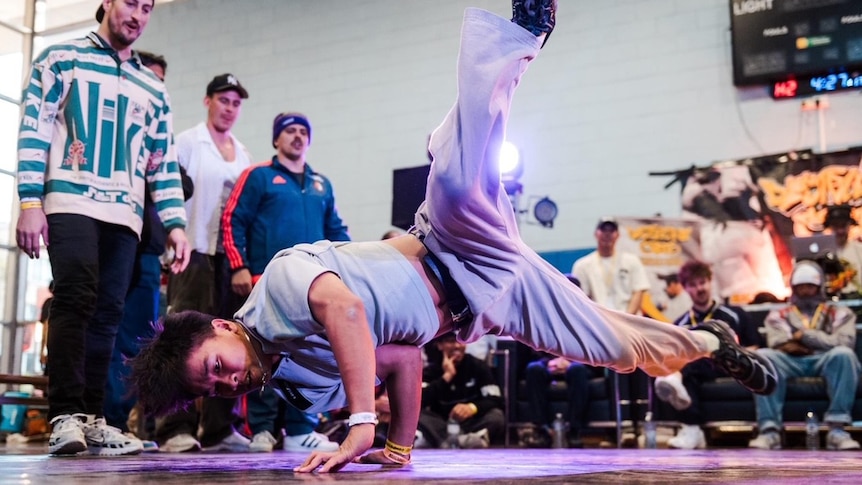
(396, 457)
(33, 204)
(401, 450)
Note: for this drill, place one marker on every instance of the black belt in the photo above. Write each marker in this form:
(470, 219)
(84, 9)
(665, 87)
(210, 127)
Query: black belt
(458, 307)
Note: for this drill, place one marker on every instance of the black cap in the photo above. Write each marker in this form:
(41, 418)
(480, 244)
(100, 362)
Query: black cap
(669, 278)
(226, 82)
(838, 214)
(608, 223)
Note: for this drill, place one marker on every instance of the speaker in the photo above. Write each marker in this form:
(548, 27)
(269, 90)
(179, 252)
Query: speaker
(408, 192)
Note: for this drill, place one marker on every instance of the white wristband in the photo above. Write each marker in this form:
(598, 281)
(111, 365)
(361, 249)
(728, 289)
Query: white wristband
(362, 418)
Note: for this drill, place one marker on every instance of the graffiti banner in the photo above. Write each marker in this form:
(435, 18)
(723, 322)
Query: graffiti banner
(751, 209)
(796, 196)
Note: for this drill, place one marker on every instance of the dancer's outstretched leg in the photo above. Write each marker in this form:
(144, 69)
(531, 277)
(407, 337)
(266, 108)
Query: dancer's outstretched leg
(468, 222)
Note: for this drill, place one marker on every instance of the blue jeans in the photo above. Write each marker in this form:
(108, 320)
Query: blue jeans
(141, 310)
(577, 391)
(838, 366)
(92, 266)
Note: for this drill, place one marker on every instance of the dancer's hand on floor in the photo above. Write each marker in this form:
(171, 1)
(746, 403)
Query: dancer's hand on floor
(358, 440)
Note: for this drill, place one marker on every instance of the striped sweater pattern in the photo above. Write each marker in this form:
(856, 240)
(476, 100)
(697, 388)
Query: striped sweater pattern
(96, 133)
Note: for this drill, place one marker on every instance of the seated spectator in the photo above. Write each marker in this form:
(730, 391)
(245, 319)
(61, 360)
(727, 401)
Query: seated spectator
(838, 220)
(682, 389)
(810, 337)
(460, 387)
(541, 374)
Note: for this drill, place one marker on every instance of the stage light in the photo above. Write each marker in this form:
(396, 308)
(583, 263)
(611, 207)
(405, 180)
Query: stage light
(510, 162)
(545, 211)
(511, 168)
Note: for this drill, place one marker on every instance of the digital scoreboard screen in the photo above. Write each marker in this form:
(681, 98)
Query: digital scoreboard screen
(779, 40)
(817, 84)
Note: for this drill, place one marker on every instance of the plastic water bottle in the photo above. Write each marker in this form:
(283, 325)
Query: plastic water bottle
(812, 431)
(559, 430)
(453, 429)
(649, 431)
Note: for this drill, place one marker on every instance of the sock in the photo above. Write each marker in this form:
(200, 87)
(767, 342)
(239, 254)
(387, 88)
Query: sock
(711, 341)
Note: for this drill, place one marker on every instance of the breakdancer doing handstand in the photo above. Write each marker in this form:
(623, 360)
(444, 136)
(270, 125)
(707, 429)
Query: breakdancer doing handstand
(328, 321)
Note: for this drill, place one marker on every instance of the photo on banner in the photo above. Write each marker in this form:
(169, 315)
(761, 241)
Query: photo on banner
(737, 238)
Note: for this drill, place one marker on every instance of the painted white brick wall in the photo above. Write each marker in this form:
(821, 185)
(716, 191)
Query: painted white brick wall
(624, 87)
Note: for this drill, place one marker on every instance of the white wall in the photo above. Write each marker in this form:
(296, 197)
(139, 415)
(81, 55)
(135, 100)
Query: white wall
(624, 87)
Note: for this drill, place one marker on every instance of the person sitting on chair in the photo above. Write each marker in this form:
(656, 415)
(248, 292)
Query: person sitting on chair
(810, 337)
(682, 389)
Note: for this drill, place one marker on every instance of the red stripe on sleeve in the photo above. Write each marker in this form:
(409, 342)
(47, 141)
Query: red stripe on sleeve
(230, 248)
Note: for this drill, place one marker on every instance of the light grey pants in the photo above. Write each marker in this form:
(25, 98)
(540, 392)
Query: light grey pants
(469, 223)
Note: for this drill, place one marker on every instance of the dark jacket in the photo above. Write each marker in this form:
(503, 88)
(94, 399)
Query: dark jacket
(734, 316)
(472, 383)
(153, 236)
(268, 211)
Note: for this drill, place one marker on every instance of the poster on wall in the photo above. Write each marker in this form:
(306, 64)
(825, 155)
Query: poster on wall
(663, 245)
(797, 195)
(750, 210)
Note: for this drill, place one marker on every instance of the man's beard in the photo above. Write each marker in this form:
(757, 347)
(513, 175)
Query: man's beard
(702, 301)
(120, 37)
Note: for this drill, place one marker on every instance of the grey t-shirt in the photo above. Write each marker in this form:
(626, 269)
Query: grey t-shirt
(397, 305)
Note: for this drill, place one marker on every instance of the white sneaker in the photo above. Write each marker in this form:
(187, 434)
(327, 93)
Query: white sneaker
(839, 440)
(262, 442)
(670, 390)
(476, 439)
(769, 440)
(181, 443)
(689, 437)
(149, 445)
(67, 435)
(313, 441)
(104, 440)
(234, 443)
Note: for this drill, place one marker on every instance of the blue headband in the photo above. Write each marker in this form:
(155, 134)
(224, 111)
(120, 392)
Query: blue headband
(282, 121)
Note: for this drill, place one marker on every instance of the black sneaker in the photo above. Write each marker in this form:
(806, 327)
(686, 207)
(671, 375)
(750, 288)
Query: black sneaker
(536, 438)
(537, 16)
(753, 371)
